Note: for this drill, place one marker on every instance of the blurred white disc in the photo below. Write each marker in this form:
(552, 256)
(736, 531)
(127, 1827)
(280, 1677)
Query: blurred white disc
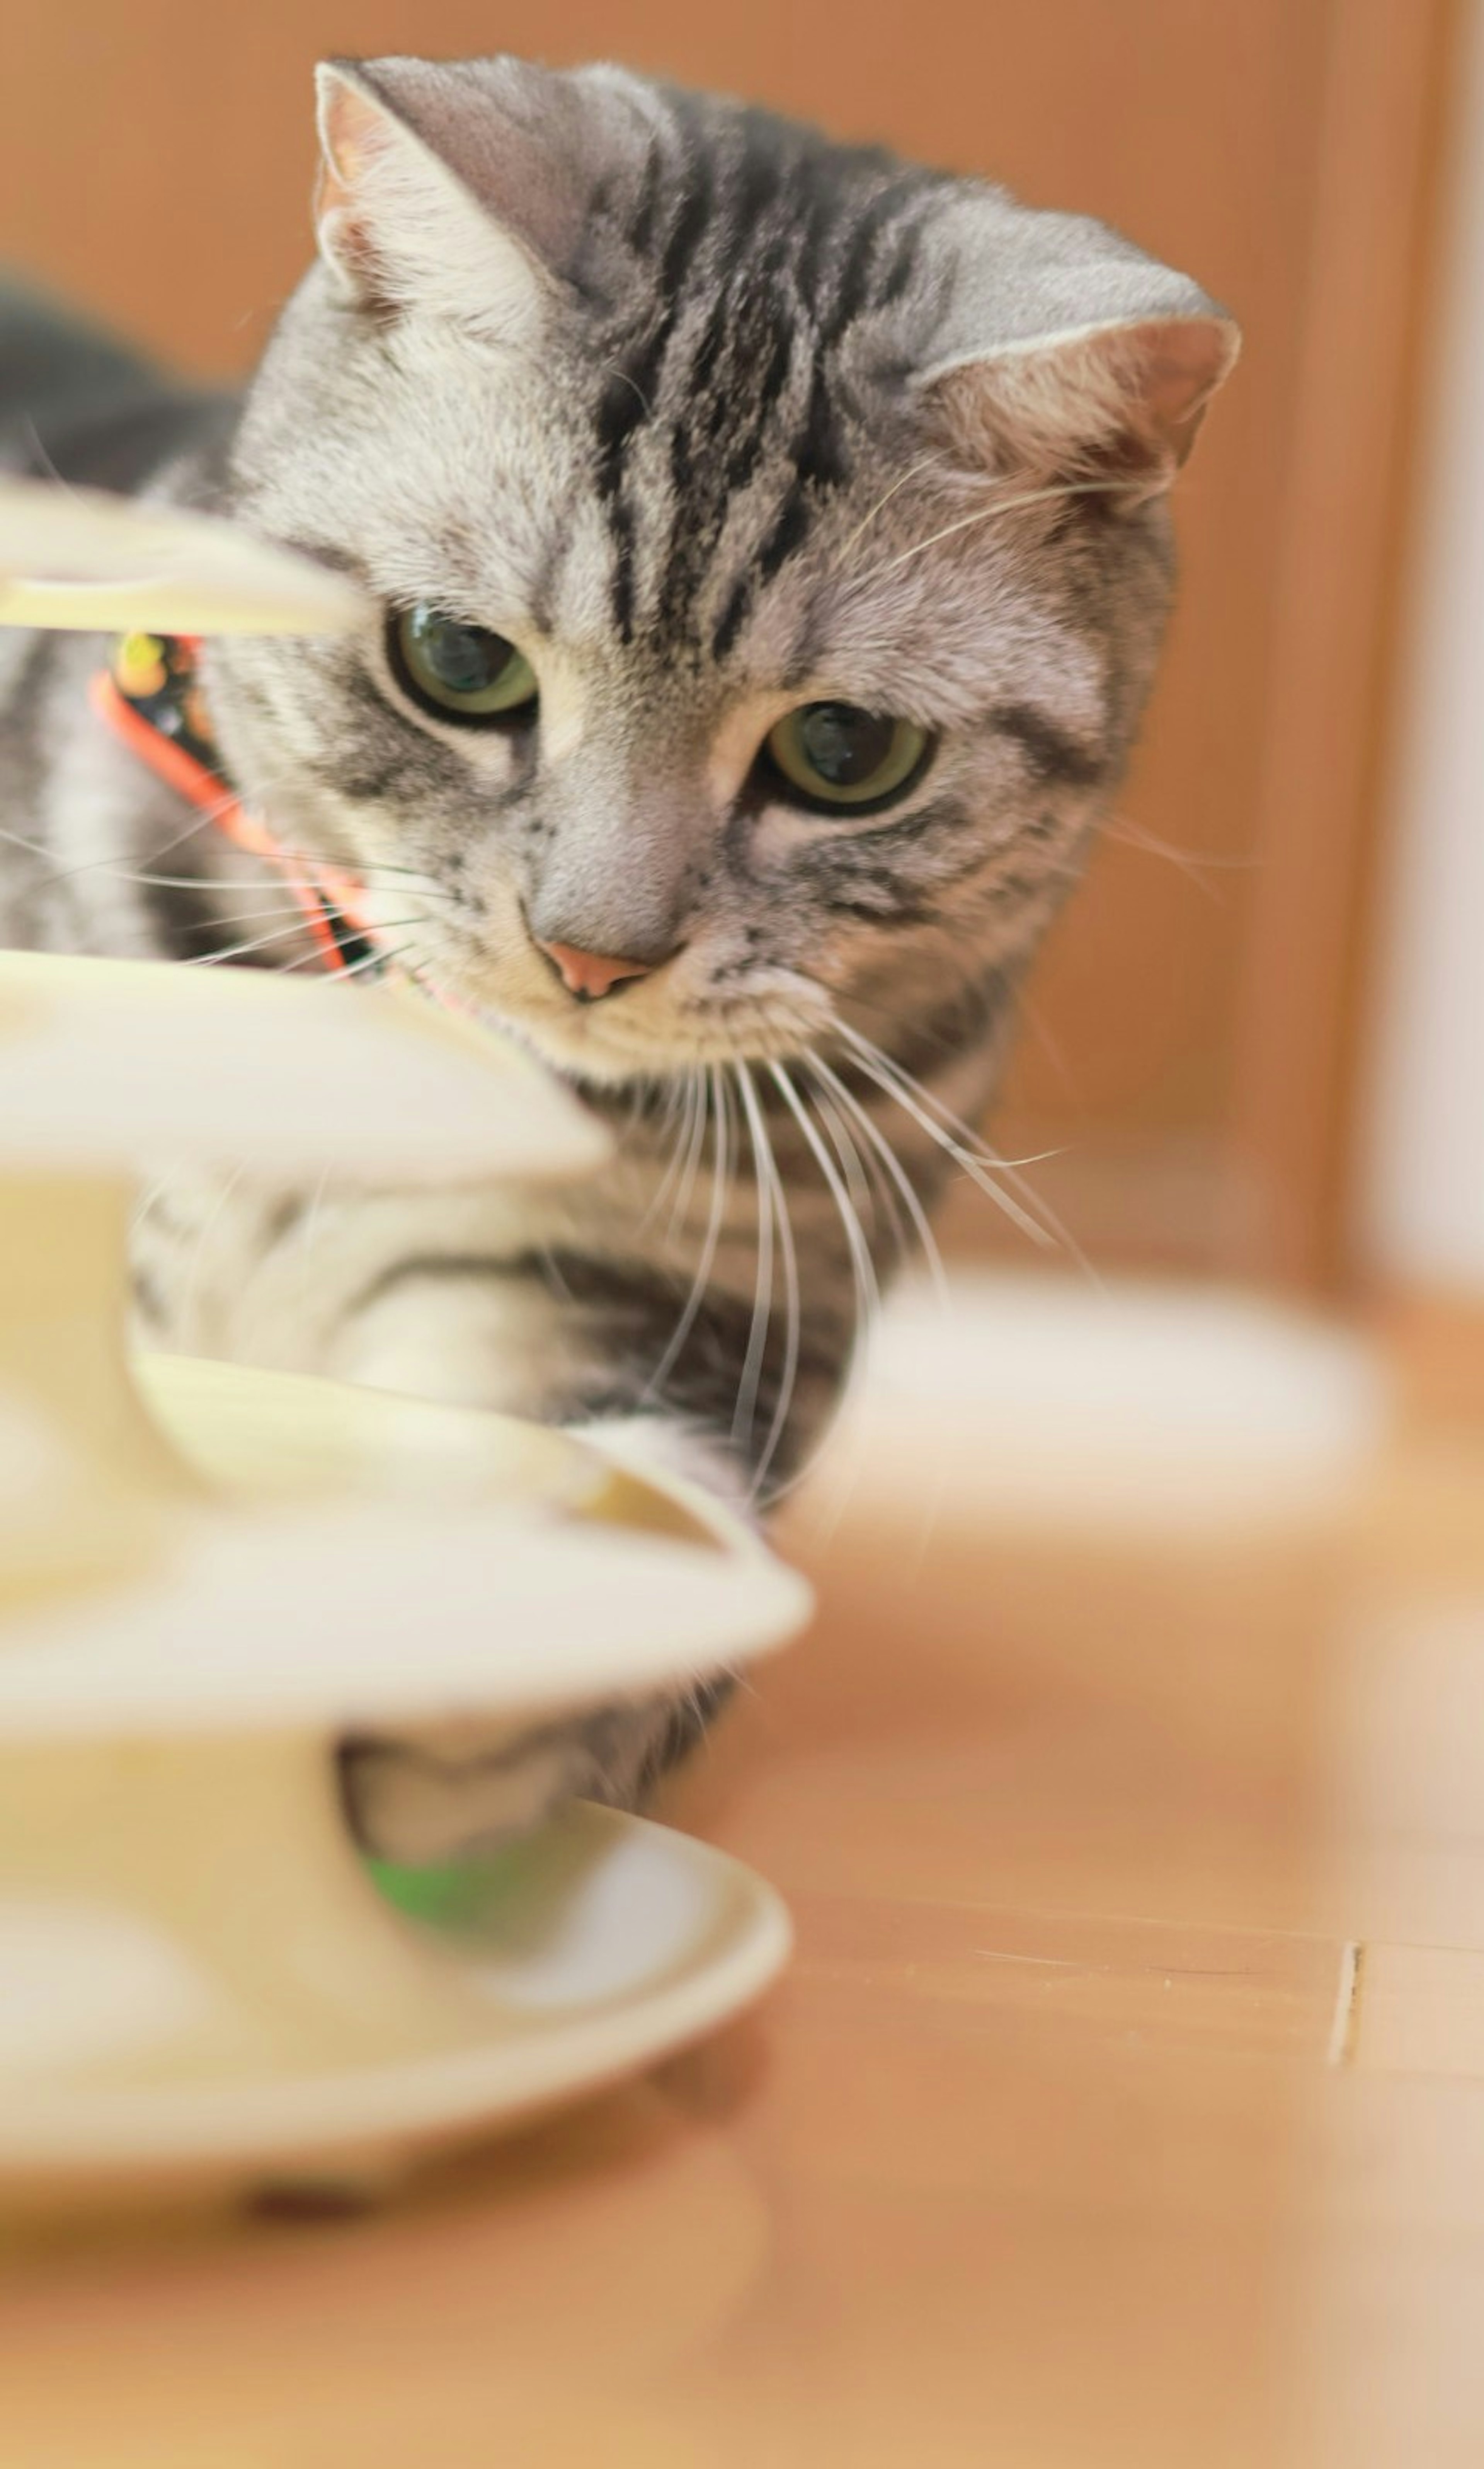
(342, 1618)
(106, 1064)
(1042, 1398)
(80, 559)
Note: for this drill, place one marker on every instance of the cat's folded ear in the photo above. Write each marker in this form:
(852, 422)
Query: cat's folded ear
(1066, 356)
(405, 218)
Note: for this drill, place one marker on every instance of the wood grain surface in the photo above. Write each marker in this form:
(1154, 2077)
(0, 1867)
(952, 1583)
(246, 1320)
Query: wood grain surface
(1125, 2104)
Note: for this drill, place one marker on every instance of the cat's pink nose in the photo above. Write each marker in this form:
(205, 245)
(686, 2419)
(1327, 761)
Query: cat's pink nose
(590, 975)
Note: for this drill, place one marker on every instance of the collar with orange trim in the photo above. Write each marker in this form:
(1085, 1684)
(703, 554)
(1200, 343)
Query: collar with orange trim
(151, 696)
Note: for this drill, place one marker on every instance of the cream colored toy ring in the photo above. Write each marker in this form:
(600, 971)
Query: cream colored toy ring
(199, 1593)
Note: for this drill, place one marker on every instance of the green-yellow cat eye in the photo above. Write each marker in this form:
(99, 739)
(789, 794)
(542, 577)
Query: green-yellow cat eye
(460, 671)
(835, 758)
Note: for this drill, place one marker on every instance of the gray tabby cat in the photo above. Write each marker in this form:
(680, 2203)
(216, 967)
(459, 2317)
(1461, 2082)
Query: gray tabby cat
(774, 546)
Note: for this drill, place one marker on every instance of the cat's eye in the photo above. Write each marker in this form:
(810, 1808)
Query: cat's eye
(835, 758)
(460, 671)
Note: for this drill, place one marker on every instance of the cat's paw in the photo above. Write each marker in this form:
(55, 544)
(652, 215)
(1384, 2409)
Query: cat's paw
(455, 1788)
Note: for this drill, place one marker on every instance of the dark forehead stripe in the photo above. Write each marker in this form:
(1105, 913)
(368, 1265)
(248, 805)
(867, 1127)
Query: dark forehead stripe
(901, 265)
(718, 434)
(644, 221)
(676, 226)
(857, 286)
(636, 359)
(765, 245)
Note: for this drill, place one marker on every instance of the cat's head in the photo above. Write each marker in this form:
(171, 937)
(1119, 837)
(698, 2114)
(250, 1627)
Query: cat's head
(772, 544)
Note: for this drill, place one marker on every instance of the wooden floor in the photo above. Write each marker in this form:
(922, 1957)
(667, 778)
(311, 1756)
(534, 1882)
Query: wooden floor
(1123, 2107)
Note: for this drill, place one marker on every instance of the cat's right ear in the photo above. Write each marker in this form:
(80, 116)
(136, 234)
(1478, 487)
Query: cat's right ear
(399, 230)
(1061, 352)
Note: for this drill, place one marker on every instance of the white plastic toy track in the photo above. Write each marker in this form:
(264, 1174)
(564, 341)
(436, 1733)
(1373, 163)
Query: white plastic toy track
(79, 559)
(198, 1979)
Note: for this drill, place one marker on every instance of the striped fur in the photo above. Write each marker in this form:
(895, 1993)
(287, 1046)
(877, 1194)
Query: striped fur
(713, 418)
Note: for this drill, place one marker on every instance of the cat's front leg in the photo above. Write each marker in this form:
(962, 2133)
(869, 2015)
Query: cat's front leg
(443, 1789)
(444, 1307)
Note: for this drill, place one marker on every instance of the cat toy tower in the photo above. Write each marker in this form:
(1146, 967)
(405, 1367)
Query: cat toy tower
(208, 1575)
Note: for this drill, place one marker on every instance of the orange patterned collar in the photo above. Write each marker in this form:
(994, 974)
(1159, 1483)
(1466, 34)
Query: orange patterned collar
(151, 696)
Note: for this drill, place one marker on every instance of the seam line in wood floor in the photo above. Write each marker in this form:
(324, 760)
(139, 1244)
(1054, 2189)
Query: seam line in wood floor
(1344, 2028)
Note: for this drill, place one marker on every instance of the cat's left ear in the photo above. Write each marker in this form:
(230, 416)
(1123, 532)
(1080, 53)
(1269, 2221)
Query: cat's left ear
(1069, 354)
(396, 224)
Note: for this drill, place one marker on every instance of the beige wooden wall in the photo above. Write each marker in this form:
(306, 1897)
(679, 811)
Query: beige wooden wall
(1191, 1034)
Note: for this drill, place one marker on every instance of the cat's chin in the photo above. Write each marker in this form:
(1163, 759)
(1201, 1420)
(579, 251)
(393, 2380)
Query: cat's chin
(604, 1062)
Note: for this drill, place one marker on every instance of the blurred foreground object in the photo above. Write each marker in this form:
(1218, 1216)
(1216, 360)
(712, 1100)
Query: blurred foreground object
(83, 561)
(1049, 1400)
(198, 1980)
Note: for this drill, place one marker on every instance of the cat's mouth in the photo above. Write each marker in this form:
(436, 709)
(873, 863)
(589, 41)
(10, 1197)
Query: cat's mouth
(571, 1031)
(581, 1041)
(601, 1043)
(592, 1018)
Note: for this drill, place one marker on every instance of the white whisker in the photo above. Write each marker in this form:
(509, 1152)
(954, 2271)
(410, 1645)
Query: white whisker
(745, 1412)
(926, 1240)
(866, 1049)
(777, 1198)
(862, 1173)
(868, 1296)
(988, 514)
(914, 472)
(677, 1152)
(866, 1196)
(1194, 869)
(297, 925)
(1031, 1213)
(266, 875)
(721, 1111)
(288, 907)
(692, 1168)
(18, 840)
(110, 863)
(378, 957)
